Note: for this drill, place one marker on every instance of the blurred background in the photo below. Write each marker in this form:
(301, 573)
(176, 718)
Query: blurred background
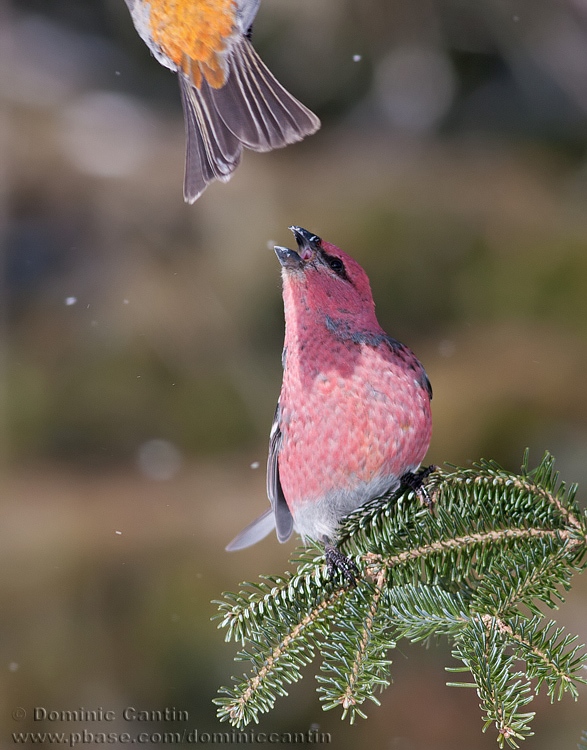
(140, 338)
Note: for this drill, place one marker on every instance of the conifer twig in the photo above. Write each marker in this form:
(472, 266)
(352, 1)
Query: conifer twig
(476, 568)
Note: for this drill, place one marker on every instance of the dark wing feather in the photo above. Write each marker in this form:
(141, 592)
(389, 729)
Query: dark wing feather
(400, 350)
(283, 517)
(426, 383)
(278, 516)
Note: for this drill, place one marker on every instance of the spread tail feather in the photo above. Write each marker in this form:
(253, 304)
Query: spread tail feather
(251, 110)
(254, 532)
(260, 112)
(212, 151)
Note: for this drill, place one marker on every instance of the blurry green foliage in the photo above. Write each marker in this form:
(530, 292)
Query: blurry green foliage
(103, 407)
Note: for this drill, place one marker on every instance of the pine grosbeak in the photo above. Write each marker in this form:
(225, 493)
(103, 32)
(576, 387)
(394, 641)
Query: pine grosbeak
(353, 417)
(230, 99)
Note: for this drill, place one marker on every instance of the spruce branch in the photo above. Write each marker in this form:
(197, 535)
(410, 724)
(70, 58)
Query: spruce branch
(478, 567)
(503, 690)
(355, 662)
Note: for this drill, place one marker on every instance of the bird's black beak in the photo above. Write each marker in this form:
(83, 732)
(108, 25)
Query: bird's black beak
(308, 246)
(308, 243)
(288, 258)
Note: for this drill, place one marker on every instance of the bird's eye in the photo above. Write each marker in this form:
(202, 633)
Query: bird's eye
(336, 264)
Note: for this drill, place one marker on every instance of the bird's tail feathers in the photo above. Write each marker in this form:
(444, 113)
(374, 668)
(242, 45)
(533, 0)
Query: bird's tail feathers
(251, 109)
(254, 532)
(212, 151)
(260, 112)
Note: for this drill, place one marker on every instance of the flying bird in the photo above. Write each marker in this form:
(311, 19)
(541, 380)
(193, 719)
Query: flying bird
(230, 98)
(353, 419)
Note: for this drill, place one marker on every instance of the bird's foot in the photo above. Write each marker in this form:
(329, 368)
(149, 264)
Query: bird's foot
(415, 481)
(336, 562)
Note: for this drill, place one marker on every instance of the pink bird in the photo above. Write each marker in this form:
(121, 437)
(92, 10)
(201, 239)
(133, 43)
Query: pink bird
(353, 419)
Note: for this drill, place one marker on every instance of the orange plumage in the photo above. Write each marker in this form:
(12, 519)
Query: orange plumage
(194, 32)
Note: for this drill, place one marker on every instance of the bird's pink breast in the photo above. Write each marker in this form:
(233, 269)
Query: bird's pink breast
(351, 413)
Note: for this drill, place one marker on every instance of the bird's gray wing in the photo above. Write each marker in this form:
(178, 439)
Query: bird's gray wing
(276, 517)
(283, 516)
(246, 10)
(407, 355)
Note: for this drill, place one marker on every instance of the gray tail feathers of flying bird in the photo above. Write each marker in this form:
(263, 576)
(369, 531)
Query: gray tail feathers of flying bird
(251, 110)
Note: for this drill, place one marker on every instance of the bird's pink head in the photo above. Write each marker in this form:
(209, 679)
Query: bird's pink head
(325, 280)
